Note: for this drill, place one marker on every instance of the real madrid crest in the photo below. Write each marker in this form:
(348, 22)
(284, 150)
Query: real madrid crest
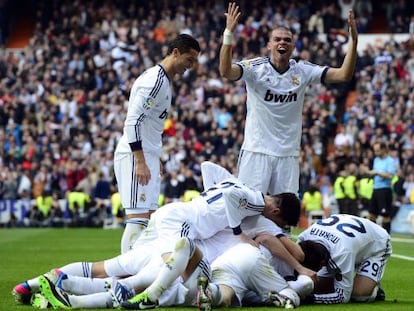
(243, 203)
(295, 80)
(245, 63)
(142, 197)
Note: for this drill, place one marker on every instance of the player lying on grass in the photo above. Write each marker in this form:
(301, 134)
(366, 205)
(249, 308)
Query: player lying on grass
(241, 269)
(354, 252)
(113, 291)
(220, 199)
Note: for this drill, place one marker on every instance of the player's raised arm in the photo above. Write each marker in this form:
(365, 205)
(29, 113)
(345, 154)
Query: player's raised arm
(346, 71)
(213, 173)
(227, 69)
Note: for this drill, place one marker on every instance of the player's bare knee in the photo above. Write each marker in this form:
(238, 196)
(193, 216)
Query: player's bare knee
(362, 291)
(227, 295)
(364, 295)
(363, 286)
(98, 270)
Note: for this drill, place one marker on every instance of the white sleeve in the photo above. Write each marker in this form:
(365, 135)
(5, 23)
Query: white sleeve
(213, 173)
(343, 283)
(255, 225)
(240, 202)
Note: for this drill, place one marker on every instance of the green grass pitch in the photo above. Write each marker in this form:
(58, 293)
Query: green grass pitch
(25, 253)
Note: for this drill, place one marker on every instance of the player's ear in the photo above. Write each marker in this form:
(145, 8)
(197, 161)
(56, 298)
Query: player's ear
(175, 52)
(268, 45)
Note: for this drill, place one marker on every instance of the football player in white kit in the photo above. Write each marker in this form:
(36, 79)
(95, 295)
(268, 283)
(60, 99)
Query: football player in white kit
(137, 155)
(162, 228)
(237, 268)
(224, 205)
(174, 228)
(275, 85)
(355, 252)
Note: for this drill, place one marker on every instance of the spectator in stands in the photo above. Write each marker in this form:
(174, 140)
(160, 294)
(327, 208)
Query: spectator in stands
(408, 186)
(339, 190)
(173, 190)
(45, 101)
(44, 202)
(315, 25)
(345, 6)
(312, 199)
(9, 185)
(350, 187)
(34, 217)
(24, 190)
(102, 191)
(55, 216)
(365, 189)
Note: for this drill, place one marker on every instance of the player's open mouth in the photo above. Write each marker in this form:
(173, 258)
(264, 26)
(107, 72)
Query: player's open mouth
(282, 50)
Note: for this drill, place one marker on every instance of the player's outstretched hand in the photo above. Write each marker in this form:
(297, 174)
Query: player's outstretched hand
(352, 25)
(232, 16)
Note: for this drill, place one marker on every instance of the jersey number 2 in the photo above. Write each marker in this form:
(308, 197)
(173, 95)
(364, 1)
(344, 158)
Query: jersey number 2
(344, 227)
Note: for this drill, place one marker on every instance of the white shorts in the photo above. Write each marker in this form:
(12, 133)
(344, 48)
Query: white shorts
(136, 198)
(373, 267)
(269, 174)
(133, 261)
(163, 232)
(243, 268)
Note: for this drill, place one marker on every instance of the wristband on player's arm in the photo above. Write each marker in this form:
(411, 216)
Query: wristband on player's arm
(237, 230)
(227, 37)
(136, 145)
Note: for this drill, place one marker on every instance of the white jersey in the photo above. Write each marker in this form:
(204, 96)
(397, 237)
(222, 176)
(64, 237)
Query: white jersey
(148, 106)
(275, 104)
(355, 244)
(243, 268)
(224, 205)
(252, 226)
(213, 173)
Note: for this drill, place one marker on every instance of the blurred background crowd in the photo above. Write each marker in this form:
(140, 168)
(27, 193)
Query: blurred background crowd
(63, 98)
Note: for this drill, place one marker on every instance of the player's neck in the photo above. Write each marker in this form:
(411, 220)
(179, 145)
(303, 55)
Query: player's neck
(281, 66)
(168, 67)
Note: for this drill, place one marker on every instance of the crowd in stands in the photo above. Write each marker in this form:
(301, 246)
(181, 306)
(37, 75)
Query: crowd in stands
(63, 98)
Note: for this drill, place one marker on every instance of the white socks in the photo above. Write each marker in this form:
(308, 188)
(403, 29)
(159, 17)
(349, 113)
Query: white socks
(83, 269)
(172, 269)
(132, 231)
(303, 285)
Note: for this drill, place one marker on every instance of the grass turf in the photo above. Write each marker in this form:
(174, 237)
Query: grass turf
(25, 253)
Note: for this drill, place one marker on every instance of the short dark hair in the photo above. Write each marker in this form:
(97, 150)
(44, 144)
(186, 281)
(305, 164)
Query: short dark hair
(184, 43)
(315, 255)
(289, 206)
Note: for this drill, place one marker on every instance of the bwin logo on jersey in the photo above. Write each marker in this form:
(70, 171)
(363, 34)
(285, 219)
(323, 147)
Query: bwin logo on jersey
(280, 98)
(149, 102)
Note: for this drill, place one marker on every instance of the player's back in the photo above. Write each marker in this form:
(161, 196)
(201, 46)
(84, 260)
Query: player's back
(346, 234)
(223, 205)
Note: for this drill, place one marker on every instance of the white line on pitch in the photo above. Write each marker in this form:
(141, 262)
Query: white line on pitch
(402, 257)
(403, 240)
